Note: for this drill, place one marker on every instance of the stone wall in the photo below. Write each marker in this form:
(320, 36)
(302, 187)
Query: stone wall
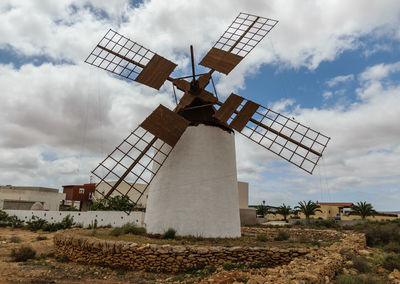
(165, 258)
(319, 266)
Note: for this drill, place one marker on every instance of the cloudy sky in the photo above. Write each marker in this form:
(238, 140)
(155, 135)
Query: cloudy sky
(332, 65)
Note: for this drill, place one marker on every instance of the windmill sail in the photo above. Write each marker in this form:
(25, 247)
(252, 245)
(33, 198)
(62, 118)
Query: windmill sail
(123, 57)
(130, 168)
(238, 40)
(291, 140)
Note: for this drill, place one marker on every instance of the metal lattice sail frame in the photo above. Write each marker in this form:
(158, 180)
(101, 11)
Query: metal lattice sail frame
(135, 162)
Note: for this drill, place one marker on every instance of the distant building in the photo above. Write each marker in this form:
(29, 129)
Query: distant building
(25, 197)
(330, 210)
(79, 196)
(124, 189)
(337, 211)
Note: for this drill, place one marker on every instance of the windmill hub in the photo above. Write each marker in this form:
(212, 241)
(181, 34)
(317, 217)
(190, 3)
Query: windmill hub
(189, 166)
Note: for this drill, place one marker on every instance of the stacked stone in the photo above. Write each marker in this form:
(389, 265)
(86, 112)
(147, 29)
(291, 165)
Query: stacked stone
(165, 258)
(319, 266)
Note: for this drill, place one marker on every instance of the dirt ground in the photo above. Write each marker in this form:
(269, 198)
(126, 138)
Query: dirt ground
(46, 269)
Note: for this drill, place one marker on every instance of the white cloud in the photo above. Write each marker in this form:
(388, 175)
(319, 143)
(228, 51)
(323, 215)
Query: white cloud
(379, 71)
(81, 113)
(340, 79)
(327, 95)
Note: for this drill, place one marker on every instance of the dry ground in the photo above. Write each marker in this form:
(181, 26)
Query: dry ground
(47, 269)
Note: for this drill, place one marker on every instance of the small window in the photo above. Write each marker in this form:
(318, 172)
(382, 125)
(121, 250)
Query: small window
(81, 191)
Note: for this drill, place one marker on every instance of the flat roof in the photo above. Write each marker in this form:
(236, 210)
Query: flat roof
(30, 188)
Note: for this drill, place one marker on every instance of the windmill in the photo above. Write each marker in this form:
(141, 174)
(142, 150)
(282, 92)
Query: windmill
(186, 157)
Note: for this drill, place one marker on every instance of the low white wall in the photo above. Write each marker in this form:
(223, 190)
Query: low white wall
(104, 218)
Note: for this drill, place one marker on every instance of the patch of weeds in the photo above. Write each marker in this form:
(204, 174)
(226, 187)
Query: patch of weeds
(41, 238)
(347, 253)
(360, 264)
(15, 239)
(41, 256)
(315, 243)
(242, 279)
(169, 234)
(211, 269)
(23, 253)
(392, 247)
(282, 236)
(262, 238)
(179, 278)
(230, 266)
(37, 263)
(260, 264)
(355, 279)
(62, 259)
(128, 228)
(36, 224)
(392, 262)
(14, 222)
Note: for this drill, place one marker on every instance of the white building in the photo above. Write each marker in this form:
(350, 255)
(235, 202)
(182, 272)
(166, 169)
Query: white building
(24, 197)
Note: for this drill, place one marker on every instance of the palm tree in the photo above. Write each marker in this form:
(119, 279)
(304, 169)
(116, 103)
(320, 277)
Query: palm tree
(284, 211)
(308, 208)
(363, 209)
(262, 209)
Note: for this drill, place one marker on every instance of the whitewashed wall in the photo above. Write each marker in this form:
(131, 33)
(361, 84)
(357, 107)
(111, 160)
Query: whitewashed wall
(104, 218)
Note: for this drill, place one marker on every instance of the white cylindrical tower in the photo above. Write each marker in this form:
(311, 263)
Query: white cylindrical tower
(196, 192)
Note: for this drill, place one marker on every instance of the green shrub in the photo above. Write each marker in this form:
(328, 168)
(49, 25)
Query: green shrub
(36, 223)
(23, 253)
(379, 234)
(392, 262)
(347, 253)
(66, 223)
(329, 224)
(360, 264)
(3, 216)
(262, 238)
(15, 239)
(128, 228)
(392, 246)
(282, 236)
(169, 234)
(14, 222)
(230, 266)
(41, 238)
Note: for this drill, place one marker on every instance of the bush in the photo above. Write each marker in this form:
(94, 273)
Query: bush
(23, 253)
(169, 234)
(329, 224)
(128, 228)
(360, 264)
(15, 239)
(14, 222)
(66, 223)
(36, 224)
(3, 216)
(379, 234)
(392, 247)
(41, 238)
(262, 238)
(355, 279)
(282, 236)
(392, 262)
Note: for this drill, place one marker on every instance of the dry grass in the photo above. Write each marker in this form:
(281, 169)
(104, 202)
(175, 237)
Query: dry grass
(246, 239)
